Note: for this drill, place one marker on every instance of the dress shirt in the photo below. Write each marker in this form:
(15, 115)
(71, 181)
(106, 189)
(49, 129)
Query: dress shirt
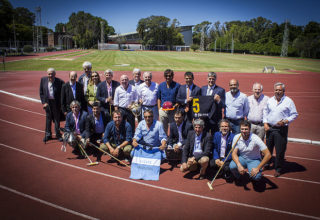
(256, 107)
(148, 94)
(112, 135)
(250, 149)
(210, 90)
(153, 136)
(223, 145)
(99, 128)
(85, 83)
(197, 145)
(50, 90)
(76, 119)
(124, 97)
(73, 87)
(168, 94)
(275, 112)
(180, 132)
(237, 106)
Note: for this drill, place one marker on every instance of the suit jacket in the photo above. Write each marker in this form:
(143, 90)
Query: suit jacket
(80, 80)
(67, 97)
(44, 93)
(102, 92)
(71, 124)
(174, 133)
(206, 146)
(217, 145)
(131, 82)
(217, 115)
(182, 94)
(91, 125)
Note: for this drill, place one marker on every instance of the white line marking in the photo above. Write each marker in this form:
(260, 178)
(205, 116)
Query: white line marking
(22, 109)
(47, 203)
(303, 158)
(164, 188)
(21, 97)
(34, 129)
(288, 178)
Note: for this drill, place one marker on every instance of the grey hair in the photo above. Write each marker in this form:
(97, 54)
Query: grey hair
(148, 111)
(211, 74)
(256, 83)
(86, 64)
(51, 70)
(136, 70)
(108, 71)
(279, 84)
(75, 102)
(145, 73)
(198, 122)
(226, 121)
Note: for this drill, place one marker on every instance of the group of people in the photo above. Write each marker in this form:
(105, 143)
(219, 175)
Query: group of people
(231, 136)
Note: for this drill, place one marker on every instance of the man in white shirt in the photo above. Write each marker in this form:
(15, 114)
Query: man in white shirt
(147, 95)
(247, 154)
(277, 115)
(237, 106)
(257, 102)
(125, 95)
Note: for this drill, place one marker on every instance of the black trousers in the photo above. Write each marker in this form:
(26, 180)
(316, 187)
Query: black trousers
(277, 137)
(129, 117)
(52, 115)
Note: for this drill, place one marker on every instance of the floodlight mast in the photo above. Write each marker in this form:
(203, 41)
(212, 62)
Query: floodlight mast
(285, 41)
(39, 29)
(202, 39)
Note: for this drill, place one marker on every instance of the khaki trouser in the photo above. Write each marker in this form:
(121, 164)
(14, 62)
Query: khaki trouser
(126, 150)
(193, 166)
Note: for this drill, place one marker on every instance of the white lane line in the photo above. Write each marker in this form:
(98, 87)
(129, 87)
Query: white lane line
(9, 122)
(299, 180)
(303, 158)
(298, 140)
(164, 188)
(10, 106)
(47, 203)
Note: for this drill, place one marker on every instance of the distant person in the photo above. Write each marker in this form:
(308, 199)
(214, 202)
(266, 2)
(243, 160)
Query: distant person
(85, 77)
(222, 144)
(186, 93)
(237, 106)
(218, 94)
(197, 149)
(277, 115)
(106, 90)
(257, 102)
(147, 95)
(72, 90)
(91, 95)
(125, 96)
(167, 92)
(136, 81)
(50, 95)
(247, 155)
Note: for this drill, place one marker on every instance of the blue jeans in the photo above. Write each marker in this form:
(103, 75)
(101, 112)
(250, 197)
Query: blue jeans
(246, 163)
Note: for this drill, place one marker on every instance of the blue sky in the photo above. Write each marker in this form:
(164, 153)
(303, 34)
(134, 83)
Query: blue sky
(124, 15)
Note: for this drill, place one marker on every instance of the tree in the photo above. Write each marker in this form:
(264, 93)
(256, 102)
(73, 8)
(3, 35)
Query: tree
(197, 32)
(6, 12)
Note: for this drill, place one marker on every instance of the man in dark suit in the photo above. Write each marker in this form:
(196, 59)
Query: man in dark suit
(106, 90)
(222, 144)
(219, 96)
(178, 135)
(50, 95)
(95, 127)
(85, 77)
(70, 91)
(136, 81)
(197, 149)
(186, 94)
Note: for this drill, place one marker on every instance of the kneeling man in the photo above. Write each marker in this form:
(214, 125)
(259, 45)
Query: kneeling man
(247, 154)
(197, 149)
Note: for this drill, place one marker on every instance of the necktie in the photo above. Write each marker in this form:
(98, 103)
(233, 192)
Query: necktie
(188, 95)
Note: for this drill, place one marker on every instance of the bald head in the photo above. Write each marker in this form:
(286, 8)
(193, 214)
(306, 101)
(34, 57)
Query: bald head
(124, 81)
(234, 86)
(73, 77)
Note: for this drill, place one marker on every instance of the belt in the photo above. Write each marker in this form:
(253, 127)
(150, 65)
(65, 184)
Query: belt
(256, 122)
(230, 119)
(149, 106)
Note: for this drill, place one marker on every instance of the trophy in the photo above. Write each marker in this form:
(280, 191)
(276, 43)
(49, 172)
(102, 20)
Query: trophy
(136, 110)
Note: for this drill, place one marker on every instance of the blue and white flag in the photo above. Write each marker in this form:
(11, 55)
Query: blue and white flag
(146, 163)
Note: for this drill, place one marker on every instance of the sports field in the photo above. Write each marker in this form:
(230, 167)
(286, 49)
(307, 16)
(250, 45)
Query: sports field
(159, 61)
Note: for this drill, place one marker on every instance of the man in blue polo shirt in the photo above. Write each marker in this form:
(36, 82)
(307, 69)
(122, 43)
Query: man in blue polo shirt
(167, 91)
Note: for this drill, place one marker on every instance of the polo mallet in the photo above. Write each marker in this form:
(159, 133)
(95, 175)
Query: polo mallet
(210, 184)
(86, 155)
(103, 151)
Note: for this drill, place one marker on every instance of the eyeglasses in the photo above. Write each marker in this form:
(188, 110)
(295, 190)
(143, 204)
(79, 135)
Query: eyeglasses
(168, 76)
(95, 76)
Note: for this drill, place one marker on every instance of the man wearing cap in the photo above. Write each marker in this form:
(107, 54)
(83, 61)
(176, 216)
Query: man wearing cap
(257, 103)
(136, 81)
(186, 93)
(50, 95)
(85, 77)
(167, 94)
(277, 115)
(126, 95)
(147, 95)
(106, 90)
(197, 149)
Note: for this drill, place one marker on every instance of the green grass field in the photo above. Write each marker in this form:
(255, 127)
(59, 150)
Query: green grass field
(159, 61)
